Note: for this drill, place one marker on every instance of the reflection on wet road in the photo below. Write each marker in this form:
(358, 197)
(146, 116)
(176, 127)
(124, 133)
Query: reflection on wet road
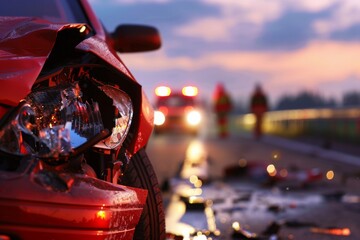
(237, 188)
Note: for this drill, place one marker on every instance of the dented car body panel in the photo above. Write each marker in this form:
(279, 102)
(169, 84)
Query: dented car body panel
(38, 203)
(20, 66)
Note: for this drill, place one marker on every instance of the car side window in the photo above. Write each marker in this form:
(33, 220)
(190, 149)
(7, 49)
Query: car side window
(59, 11)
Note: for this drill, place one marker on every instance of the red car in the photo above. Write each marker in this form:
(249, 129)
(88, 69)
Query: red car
(74, 124)
(177, 110)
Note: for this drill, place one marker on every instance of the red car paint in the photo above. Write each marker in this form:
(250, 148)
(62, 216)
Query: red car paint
(20, 66)
(90, 209)
(77, 206)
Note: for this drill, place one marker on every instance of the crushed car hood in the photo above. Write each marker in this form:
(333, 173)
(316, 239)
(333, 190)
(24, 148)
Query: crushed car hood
(25, 45)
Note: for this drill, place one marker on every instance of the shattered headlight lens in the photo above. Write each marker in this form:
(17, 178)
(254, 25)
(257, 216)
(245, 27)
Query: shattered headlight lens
(55, 122)
(123, 118)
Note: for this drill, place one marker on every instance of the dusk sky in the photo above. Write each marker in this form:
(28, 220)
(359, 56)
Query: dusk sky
(285, 45)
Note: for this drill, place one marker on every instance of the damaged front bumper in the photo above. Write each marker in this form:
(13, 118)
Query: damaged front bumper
(67, 206)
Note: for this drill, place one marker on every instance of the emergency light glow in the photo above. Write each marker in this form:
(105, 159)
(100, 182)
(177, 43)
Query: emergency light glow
(190, 91)
(162, 91)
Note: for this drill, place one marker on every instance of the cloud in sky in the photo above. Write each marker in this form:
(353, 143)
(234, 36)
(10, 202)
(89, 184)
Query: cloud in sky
(284, 44)
(311, 67)
(320, 60)
(258, 15)
(344, 16)
(232, 14)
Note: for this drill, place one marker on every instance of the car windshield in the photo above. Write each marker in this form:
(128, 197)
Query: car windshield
(176, 101)
(57, 11)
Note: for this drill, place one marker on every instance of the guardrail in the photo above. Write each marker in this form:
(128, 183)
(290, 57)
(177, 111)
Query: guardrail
(342, 124)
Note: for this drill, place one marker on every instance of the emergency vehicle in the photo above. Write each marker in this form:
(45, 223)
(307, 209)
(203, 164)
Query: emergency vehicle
(177, 110)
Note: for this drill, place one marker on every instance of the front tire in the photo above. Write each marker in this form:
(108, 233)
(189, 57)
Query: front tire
(140, 174)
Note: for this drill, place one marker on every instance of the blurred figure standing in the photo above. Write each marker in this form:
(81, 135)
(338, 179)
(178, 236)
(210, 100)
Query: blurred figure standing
(222, 106)
(258, 106)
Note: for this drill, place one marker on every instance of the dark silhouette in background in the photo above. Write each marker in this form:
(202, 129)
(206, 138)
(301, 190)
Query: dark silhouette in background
(222, 105)
(305, 99)
(351, 99)
(258, 106)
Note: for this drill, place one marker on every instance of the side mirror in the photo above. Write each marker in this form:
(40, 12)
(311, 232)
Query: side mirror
(136, 38)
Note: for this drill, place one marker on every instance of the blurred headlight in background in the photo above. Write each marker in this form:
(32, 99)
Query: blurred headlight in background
(159, 118)
(193, 117)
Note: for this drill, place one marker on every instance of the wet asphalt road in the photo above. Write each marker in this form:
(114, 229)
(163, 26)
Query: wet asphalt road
(242, 195)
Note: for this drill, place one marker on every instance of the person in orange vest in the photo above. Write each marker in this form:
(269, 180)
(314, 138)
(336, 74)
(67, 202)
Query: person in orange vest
(222, 107)
(258, 106)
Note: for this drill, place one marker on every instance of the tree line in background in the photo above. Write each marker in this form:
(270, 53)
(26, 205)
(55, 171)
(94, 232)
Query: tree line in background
(307, 99)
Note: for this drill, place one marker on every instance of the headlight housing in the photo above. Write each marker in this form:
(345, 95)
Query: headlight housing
(56, 122)
(123, 118)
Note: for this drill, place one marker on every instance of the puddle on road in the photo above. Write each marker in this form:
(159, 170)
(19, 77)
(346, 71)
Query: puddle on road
(249, 206)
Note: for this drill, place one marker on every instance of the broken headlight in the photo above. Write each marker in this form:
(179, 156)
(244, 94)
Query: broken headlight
(55, 122)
